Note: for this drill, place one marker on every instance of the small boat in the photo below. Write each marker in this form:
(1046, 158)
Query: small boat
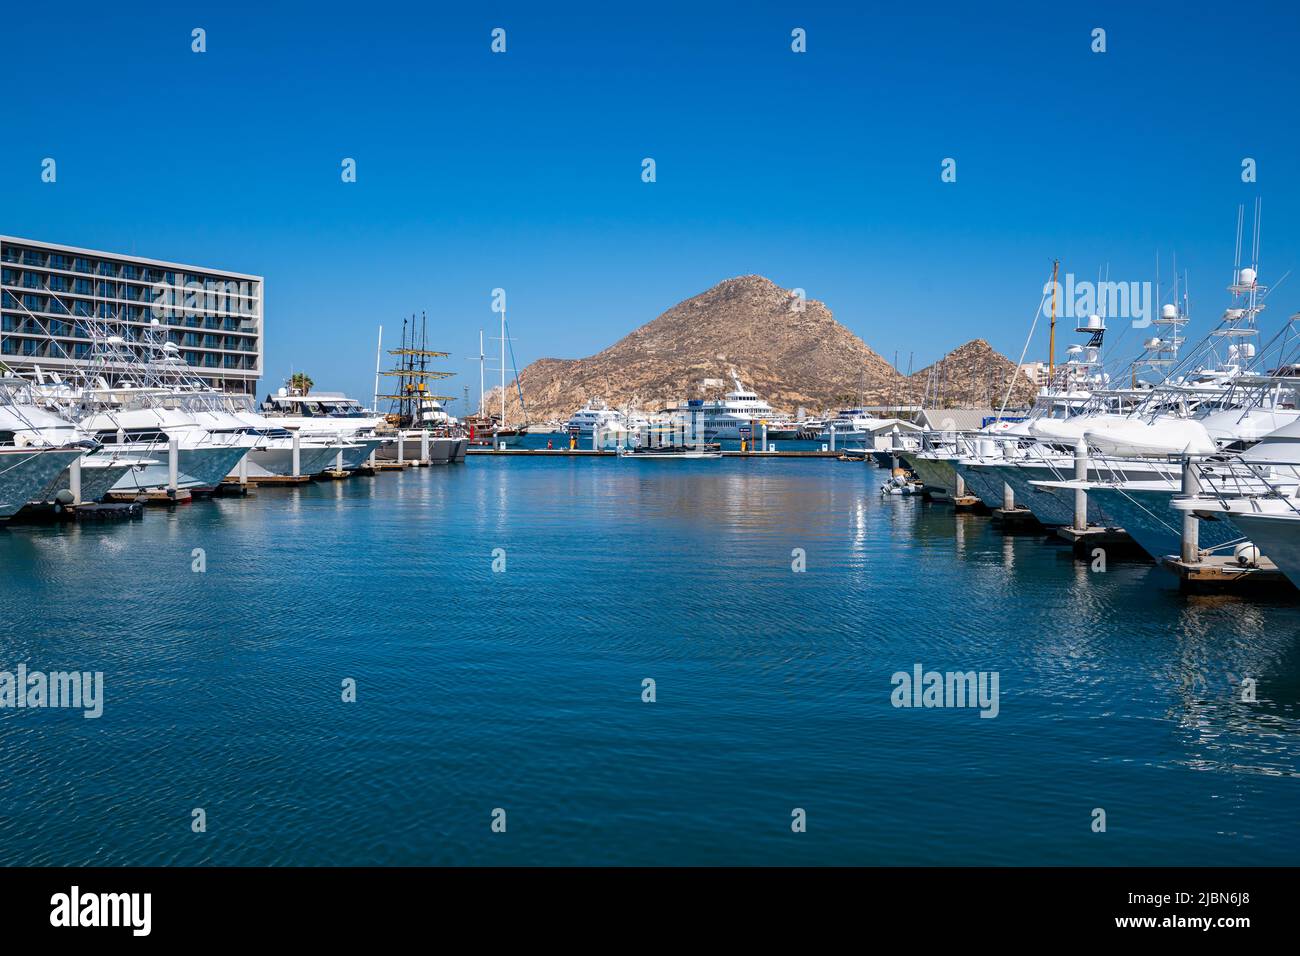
(901, 485)
(670, 453)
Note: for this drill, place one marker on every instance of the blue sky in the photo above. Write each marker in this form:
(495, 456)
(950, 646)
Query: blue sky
(819, 170)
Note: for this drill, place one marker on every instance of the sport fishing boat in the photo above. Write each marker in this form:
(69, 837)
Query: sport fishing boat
(325, 416)
(27, 470)
(23, 423)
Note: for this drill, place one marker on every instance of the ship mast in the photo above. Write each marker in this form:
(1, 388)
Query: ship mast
(503, 366)
(1051, 337)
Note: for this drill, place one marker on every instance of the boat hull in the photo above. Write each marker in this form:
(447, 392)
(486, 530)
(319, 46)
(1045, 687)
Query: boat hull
(197, 469)
(442, 451)
(939, 476)
(1278, 539)
(1146, 516)
(25, 473)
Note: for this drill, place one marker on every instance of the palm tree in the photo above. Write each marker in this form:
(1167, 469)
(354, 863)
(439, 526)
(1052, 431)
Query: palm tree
(301, 382)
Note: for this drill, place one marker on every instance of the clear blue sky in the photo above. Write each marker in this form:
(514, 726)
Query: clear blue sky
(522, 170)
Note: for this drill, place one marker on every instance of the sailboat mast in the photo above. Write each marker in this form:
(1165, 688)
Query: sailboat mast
(503, 365)
(379, 348)
(421, 390)
(481, 389)
(1051, 338)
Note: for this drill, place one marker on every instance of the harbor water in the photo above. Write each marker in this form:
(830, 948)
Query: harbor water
(500, 619)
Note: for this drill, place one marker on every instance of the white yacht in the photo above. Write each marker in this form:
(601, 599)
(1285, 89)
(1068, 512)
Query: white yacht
(721, 419)
(595, 414)
(850, 424)
(27, 470)
(24, 423)
(333, 415)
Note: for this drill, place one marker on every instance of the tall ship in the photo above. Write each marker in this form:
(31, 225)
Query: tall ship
(417, 420)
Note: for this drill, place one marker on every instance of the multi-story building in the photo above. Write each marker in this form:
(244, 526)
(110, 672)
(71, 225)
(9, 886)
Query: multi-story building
(53, 298)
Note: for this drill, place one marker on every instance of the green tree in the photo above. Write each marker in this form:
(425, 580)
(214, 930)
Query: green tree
(301, 382)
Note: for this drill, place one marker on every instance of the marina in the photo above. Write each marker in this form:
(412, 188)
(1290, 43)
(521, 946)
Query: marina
(698, 438)
(542, 703)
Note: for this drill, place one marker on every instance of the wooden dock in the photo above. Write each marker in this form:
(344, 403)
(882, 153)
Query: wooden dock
(1219, 574)
(182, 497)
(610, 453)
(969, 503)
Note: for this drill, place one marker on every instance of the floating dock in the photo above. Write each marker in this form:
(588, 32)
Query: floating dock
(1015, 519)
(1115, 542)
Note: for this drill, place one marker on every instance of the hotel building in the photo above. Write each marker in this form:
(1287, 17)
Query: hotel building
(51, 296)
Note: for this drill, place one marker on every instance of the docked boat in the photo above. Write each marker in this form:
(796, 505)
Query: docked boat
(26, 471)
(722, 419)
(419, 427)
(592, 416)
(849, 425)
(670, 453)
(24, 423)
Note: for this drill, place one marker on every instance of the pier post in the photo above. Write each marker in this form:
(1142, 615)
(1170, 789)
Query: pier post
(1081, 496)
(74, 481)
(1008, 497)
(374, 458)
(832, 438)
(243, 472)
(1191, 543)
(961, 486)
(338, 460)
(173, 464)
(401, 448)
(424, 447)
(297, 454)
(764, 436)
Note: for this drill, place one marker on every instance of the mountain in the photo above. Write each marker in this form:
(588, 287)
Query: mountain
(973, 375)
(790, 351)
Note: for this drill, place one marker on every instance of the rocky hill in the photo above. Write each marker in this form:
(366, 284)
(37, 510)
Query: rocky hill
(791, 352)
(972, 376)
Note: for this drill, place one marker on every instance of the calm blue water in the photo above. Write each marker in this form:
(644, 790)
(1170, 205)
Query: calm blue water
(522, 689)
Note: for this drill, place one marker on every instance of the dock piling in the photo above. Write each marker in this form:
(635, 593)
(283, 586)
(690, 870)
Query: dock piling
(74, 481)
(173, 465)
(297, 455)
(1190, 550)
(1081, 495)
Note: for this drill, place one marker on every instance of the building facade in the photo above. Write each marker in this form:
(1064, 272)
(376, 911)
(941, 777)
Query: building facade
(52, 297)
